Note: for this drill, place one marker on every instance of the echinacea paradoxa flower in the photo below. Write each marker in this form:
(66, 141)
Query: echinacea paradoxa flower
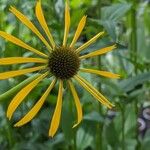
(62, 64)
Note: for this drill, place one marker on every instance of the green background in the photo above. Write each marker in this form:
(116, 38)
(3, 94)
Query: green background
(126, 23)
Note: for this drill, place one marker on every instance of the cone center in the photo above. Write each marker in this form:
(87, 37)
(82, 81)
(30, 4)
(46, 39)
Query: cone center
(63, 62)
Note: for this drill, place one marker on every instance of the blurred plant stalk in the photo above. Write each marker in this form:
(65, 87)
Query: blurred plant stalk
(15, 89)
(99, 137)
(133, 48)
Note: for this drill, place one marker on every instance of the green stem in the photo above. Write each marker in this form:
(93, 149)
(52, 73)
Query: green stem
(123, 129)
(134, 33)
(134, 58)
(122, 109)
(15, 89)
(74, 141)
(137, 127)
(99, 143)
(9, 134)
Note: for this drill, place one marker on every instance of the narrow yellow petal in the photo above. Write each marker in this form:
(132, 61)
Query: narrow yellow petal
(88, 43)
(42, 21)
(21, 43)
(67, 23)
(93, 91)
(10, 74)
(20, 60)
(22, 94)
(99, 52)
(90, 90)
(35, 109)
(79, 30)
(30, 25)
(57, 113)
(101, 73)
(96, 91)
(77, 103)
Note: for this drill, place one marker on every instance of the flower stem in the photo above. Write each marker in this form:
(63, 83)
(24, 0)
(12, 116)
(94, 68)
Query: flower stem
(123, 129)
(12, 91)
(9, 134)
(122, 110)
(134, 58)
(99, 143)
(134, 33)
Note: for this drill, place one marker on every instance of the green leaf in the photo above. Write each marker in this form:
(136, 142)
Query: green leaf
(84, 139)
(110, 25)
(111, 136)
(94, 116)
(130, 122)
(115, 11)
(146, 141)
(110, 16)
(130, 144)
(67, 118)
(130, 83)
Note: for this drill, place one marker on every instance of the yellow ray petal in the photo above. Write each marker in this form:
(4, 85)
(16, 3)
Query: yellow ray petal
(99, 52)
(79, 30)
(96, 91)
(10, 74)
(89, 42)
(77, 103)
(30, 25)
(22, 94)
(57, 113)
(42, 21)
(88, 89)
(21, 43)
(93, 91)
(20, 60)
(101, 73)
(35, 109)
(67, 23)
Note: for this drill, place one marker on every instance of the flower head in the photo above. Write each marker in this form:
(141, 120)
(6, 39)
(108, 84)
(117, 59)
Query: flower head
(62, 63)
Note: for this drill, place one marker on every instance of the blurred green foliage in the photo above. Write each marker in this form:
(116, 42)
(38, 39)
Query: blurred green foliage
(118, 127)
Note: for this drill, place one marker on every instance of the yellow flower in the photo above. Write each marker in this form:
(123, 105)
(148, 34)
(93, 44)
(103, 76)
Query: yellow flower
(62, 62)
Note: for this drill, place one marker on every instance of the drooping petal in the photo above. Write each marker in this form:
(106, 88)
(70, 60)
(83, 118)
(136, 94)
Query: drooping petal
(67, 23)
(77, 103)
(30, 25)
(21, 43)
(97, 92)
(99, 52)
(93, 91)
(10, 74)
(79, 30)
(88, 43)
(57, 113)
(20, 60)
(22, 94)
(35, 109)
(101, 73)
(42, 21)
